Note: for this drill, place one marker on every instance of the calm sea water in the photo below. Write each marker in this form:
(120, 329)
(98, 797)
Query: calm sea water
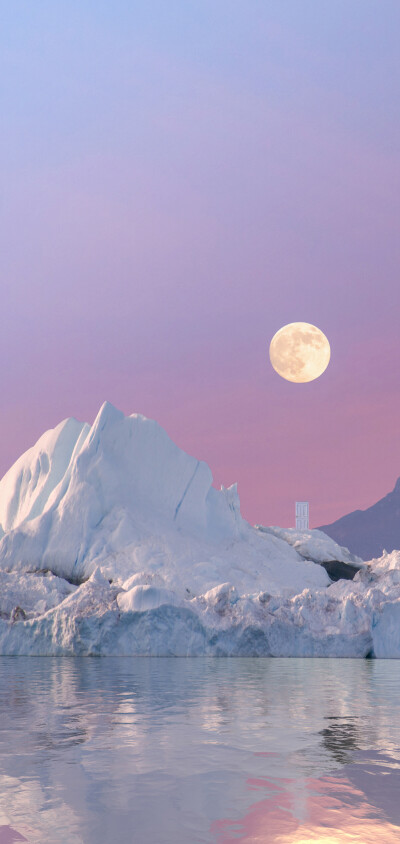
(186, 751)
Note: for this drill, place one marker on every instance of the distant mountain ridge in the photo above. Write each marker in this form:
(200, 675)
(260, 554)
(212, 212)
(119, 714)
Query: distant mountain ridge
(369, 532)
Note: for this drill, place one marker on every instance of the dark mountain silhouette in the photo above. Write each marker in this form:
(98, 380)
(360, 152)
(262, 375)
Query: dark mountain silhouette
(368, 532)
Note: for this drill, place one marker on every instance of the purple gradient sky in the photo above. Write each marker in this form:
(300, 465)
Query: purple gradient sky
(179, 180)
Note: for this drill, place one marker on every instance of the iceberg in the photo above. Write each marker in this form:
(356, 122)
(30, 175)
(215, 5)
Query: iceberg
(315, 545)
(114, 541)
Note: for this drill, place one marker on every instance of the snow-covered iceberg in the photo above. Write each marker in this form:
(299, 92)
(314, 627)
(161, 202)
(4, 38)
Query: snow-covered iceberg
(122, 497)
(314, 545)
(114, 541)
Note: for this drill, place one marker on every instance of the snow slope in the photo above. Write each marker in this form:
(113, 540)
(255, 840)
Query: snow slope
(114, 541)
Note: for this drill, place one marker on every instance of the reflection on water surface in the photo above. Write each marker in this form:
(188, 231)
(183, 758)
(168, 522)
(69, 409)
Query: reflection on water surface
(334, 810)
(185, 751)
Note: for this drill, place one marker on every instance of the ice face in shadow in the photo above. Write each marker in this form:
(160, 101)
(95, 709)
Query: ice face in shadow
(26, 491)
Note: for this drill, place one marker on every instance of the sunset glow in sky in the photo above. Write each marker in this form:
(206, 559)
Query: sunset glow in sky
(180, 180)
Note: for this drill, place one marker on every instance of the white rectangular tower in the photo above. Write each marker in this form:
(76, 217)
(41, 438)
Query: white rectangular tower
(302, 515)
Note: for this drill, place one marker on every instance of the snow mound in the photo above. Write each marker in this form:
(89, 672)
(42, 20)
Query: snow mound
(143, 578)
(221, 597)
(387, 562)
(142, 598)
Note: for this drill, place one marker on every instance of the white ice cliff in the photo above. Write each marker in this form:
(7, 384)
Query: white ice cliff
(114, 541)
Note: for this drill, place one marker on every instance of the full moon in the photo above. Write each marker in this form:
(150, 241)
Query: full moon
(299, 352)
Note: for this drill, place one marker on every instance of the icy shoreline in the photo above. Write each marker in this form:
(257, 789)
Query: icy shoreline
(355, 619)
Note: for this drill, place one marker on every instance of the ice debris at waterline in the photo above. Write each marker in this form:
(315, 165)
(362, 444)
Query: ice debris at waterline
(114, 541)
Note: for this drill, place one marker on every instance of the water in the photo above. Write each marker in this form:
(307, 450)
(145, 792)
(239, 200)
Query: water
(199, 751)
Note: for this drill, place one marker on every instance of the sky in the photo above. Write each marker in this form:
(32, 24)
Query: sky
(178, 181)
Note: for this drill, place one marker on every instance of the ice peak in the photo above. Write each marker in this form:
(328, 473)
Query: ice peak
(107, 414)
(98, 488)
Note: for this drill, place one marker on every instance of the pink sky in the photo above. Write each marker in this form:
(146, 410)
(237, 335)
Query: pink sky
(181, 181)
